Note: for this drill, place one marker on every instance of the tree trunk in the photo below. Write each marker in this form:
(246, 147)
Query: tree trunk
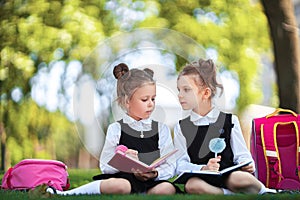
(3, 146)
(284, 33)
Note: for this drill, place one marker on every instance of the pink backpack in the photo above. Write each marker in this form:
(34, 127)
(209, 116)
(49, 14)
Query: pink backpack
(275, 146)
(30, 173)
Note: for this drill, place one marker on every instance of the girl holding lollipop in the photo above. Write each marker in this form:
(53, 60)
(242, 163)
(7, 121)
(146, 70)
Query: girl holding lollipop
(197, 85)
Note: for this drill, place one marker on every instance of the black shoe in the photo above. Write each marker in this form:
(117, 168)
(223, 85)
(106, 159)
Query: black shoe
(51, 190)
(269, 193)
(288, 192)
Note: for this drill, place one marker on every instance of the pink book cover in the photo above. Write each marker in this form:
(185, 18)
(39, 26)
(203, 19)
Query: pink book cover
(125, 163)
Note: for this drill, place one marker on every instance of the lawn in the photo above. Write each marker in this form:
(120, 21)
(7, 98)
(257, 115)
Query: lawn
(80, 176)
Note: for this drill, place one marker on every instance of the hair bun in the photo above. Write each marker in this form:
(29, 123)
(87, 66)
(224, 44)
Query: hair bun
(149, 71)
(120, 70)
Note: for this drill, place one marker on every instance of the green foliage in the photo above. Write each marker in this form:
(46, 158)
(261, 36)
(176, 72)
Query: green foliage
(36, 133)
(31, 32)
(80, 177)
(237, 30)
(66, 137)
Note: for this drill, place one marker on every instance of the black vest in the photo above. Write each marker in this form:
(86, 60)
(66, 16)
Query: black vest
(198, 138)
(147, 146)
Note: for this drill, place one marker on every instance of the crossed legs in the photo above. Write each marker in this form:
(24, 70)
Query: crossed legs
(163, 188)
(237, 182)
(197, 186)
(122, 186)
(243, 182)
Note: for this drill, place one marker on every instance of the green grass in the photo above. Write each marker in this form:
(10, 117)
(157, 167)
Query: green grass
(80, 176)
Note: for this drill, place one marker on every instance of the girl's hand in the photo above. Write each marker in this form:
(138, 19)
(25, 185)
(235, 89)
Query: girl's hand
(132, 153)
(248, 168)
(146, 175)
(213, 164)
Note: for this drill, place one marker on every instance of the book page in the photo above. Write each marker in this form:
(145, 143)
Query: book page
(226, 170)
(162, 159)
(207, 175)
(234, 167)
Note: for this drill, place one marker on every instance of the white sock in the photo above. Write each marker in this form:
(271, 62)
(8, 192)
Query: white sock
(227, 192)
(89, 188)
(263, 189)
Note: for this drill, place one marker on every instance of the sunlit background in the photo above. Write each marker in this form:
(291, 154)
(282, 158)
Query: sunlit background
(67, 67)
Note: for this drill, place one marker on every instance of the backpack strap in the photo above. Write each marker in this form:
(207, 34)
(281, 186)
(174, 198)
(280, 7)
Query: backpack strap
(297, 142)
(9, 171)
(67, 185)
(297, 150)
(271, 152)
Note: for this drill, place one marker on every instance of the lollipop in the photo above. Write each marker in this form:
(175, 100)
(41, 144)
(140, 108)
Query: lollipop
(217, 145)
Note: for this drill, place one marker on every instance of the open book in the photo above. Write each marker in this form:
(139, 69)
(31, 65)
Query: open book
(207, 175)
(125, 163)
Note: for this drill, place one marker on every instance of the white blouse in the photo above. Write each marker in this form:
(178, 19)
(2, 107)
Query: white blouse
(165, 145)
(237, 142)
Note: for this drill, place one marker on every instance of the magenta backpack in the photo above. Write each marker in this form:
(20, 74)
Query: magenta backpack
(275, 146)
(30, 173)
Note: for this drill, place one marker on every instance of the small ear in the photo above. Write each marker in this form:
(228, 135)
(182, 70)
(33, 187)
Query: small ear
(126, 102)
(207, 92)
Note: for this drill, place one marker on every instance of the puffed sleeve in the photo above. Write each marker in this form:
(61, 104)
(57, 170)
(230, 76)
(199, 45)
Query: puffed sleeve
(111, 142)
(167, 169)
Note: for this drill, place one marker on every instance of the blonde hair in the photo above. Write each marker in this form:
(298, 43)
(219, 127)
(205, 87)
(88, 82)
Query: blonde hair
(205, 74)
(129, 81)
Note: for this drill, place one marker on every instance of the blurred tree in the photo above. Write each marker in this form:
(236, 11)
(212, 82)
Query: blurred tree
(285, 37)
(30, 33)
(39, 134)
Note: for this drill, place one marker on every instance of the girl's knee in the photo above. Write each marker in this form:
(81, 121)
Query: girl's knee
(164, 188)
(240, 180)
(195, 186)
(115, 186)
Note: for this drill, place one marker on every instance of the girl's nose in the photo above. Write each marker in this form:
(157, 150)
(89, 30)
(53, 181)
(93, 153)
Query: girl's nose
(179, 95)
(151, 103)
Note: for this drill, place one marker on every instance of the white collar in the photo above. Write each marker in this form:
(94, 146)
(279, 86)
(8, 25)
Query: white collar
(129, 120)
(211, 117)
